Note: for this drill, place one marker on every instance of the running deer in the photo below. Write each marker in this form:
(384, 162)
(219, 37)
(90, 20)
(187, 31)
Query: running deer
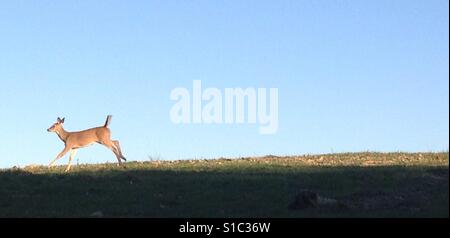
(80, 139)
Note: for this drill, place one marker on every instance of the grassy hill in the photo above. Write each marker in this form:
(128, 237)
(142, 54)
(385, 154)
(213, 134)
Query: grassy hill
(358, 184)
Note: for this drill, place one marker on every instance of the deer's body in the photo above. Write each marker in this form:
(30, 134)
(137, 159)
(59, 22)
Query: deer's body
(80, 139)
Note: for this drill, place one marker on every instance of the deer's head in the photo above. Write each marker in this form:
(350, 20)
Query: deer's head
(57, 125)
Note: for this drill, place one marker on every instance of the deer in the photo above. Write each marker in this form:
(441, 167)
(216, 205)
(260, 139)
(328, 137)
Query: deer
(80, 139)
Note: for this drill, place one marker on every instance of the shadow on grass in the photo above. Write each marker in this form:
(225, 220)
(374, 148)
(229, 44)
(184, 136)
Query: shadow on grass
(374, 192)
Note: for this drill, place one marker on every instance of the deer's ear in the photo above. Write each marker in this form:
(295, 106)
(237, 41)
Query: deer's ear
(62, 121)
(58, 120)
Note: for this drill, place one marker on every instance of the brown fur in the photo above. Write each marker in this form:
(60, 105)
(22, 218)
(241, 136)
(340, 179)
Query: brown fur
(80, 139)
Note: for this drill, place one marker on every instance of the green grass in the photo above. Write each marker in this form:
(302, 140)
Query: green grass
(379, 184)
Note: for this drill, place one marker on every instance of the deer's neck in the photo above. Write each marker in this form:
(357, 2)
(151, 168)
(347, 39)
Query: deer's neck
(62, 134)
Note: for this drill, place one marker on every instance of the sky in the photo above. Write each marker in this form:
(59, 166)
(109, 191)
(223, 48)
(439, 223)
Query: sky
(351, 75)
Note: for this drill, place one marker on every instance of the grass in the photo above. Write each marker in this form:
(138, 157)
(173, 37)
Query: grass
(376, 184)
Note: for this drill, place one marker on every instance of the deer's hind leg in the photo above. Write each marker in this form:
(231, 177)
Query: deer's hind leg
(110, 145)
(117, 145)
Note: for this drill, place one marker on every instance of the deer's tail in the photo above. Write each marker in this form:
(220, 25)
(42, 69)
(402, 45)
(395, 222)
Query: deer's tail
(108, 121)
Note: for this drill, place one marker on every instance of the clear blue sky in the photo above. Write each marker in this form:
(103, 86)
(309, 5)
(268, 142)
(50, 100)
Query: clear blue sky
(352, 75)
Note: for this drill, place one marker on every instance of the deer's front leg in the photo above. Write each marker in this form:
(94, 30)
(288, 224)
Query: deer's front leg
(73, 152)
(60, 155)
